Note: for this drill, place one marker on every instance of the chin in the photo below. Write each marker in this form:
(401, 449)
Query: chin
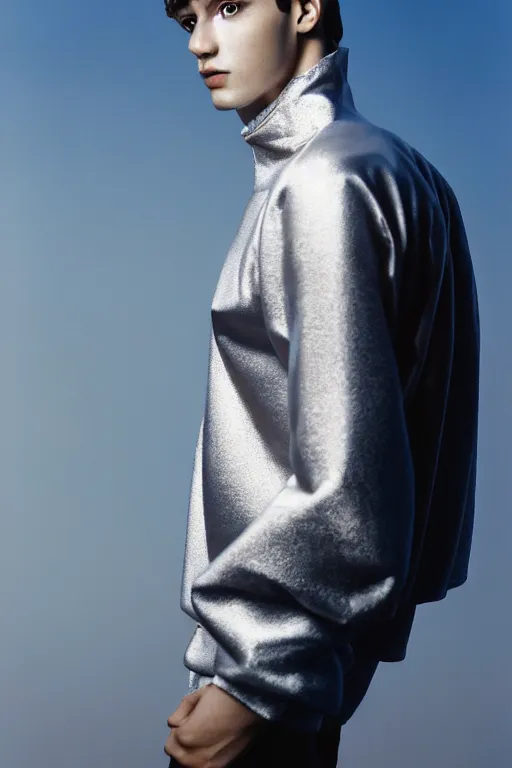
(222, 107)
(223, 99)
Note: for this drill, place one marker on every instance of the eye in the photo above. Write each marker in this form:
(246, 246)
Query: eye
(185, 23)
(190, 20)
(225, 6)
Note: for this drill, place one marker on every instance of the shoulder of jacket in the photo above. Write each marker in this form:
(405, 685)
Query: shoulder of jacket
(359, 151)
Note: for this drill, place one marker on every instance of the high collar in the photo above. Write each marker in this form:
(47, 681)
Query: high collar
(306, 104)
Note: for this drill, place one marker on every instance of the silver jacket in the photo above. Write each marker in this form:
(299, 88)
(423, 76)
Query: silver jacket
(334, 477)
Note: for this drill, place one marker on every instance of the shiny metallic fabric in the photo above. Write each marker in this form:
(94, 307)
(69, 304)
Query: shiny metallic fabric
(334, 479)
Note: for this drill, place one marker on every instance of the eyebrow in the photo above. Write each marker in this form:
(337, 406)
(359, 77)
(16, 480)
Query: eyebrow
(173, 7)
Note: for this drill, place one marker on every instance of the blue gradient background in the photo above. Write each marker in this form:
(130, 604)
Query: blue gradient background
(121, 190)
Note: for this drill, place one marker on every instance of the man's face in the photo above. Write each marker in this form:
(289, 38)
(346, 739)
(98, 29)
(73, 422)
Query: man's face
(252, 40)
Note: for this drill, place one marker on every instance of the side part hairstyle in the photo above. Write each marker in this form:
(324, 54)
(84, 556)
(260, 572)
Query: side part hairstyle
(331, 18)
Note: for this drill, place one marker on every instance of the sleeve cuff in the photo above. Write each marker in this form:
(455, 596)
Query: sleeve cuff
(286, 713)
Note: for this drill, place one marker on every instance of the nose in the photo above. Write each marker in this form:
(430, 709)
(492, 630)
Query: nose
(202, 40)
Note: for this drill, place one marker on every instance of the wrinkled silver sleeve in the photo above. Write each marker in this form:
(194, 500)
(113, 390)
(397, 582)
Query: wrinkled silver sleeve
(329, 555)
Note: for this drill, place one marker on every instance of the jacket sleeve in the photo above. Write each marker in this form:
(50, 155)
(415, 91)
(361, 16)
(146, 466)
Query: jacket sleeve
(329, 555)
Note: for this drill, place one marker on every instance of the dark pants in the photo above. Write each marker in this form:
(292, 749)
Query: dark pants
(278, 746)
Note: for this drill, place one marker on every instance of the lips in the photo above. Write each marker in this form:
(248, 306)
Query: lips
(215, 79)
(212, 72)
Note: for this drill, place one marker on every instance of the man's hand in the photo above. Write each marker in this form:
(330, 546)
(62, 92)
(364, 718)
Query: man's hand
(210, 728)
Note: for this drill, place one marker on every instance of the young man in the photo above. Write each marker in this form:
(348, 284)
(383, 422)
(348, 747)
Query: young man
(334, 478)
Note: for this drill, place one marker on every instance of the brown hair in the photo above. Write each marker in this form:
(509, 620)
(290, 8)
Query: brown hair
(331, 19)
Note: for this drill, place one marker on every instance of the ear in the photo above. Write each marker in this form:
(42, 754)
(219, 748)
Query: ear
(308, 14)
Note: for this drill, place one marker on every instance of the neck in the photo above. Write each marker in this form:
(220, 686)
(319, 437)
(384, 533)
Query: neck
(307, 104)
(309, 53)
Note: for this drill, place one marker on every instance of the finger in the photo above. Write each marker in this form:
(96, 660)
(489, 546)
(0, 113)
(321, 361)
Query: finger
(185, 708)
(173, 749)
(184, 756)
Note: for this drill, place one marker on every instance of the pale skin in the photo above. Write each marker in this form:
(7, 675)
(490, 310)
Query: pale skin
(262, 49)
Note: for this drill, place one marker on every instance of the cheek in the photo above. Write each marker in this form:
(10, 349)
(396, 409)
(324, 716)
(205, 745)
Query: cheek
(260, 43)
(263, 61)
